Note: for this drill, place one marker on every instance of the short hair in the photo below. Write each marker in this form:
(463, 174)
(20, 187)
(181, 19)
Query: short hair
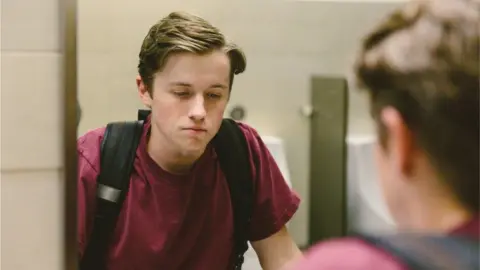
(183, 32)
(423, 60)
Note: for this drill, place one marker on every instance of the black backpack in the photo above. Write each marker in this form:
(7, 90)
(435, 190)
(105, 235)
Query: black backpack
(429, 251)
(118, 150)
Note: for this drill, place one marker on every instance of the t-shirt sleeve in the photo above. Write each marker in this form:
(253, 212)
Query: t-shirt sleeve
(275, 201)
(87, 171)
(347, 254)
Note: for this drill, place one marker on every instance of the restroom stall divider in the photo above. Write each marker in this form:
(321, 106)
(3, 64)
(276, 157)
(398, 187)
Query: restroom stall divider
(328, 152)
(68, 34)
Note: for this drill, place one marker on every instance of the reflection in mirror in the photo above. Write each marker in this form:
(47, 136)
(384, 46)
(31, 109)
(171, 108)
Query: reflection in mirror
(182, 189)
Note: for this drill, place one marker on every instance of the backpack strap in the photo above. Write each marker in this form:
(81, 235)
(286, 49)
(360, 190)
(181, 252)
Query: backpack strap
(118, 150)
(429, 252)
(232, 151)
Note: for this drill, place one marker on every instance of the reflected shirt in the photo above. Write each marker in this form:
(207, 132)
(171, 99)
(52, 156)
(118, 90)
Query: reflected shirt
(181, 221)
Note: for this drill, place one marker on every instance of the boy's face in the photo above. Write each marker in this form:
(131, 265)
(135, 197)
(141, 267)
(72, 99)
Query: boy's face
(189, 97)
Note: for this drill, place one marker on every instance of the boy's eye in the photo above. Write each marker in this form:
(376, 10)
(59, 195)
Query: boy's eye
(181, 94)
(211, 95)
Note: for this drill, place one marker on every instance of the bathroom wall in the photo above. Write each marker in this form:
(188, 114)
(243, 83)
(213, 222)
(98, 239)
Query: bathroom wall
(286, 42)
(31, 136)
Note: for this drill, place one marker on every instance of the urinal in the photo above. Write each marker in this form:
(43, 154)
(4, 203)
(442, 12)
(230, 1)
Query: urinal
(276, 147)
(367, 211)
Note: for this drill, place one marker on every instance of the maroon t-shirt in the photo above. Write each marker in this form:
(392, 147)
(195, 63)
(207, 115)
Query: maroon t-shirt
(181, 221)
(351, 253)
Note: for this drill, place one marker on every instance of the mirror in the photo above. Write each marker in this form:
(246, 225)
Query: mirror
(310, 40)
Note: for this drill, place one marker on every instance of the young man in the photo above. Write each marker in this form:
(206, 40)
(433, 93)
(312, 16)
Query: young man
(178, 213)
(420, 68)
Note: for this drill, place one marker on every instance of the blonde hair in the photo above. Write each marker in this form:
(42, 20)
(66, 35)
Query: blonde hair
(184, 32)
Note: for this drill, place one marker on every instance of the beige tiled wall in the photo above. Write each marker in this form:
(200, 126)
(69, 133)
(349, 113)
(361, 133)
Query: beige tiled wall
(285, 43)
(31, 136)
